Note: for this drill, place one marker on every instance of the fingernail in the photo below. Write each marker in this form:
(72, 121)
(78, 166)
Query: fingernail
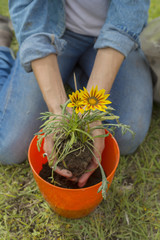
(69, 173)
(74, 179)
(81, 184)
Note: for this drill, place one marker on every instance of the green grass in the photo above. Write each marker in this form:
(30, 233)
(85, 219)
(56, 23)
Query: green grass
(154, 9)
(132, 209)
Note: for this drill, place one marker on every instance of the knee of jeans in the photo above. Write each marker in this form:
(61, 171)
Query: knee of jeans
(9, 158)
(12, 151)
(129, 143)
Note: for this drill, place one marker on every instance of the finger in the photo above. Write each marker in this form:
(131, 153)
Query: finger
(48, 145)
(64, 172)
(83, 179)
(73, 179)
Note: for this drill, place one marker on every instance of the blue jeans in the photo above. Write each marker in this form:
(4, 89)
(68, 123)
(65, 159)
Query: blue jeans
(21, 100)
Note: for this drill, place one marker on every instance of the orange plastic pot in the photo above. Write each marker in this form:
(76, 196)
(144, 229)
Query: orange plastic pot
(73, 203)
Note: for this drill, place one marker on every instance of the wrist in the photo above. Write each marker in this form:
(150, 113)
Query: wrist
(47, 73)
(105, 69)
(56, 107)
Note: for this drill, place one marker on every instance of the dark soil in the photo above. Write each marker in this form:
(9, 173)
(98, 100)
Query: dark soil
(78, 160)
(61, 181)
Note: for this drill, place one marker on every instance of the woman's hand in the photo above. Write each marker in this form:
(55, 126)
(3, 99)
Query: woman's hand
(105, 69)
(48, 149)
(50, 82)
(99, 144)
(98, 149)
(48, 146)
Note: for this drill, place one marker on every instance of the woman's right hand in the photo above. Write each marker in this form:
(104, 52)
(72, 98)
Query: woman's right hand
(50, 82)
(48, 149)
(48, 146)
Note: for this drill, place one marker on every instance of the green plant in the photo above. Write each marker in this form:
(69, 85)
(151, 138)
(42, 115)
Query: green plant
(89, 113)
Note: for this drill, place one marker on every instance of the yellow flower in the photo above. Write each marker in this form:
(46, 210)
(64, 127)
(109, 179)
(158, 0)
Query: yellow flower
(95, 99)
(76, 102)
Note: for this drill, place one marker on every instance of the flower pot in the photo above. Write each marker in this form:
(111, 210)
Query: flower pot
(73, 203)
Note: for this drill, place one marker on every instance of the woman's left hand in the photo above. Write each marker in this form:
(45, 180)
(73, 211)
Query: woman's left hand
(99, 144)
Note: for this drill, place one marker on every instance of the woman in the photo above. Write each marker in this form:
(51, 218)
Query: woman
(99, 40)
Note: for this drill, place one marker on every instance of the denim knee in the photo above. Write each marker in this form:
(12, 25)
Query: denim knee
(128, 143)
(12, 151)
(14, 143)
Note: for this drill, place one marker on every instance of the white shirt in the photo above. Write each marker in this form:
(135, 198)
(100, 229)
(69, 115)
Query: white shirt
(86, 16)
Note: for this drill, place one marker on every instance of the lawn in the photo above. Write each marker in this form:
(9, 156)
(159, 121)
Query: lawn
(132, 208)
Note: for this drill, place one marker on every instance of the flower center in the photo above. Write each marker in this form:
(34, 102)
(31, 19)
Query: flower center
(93, 101)
(78, 103)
